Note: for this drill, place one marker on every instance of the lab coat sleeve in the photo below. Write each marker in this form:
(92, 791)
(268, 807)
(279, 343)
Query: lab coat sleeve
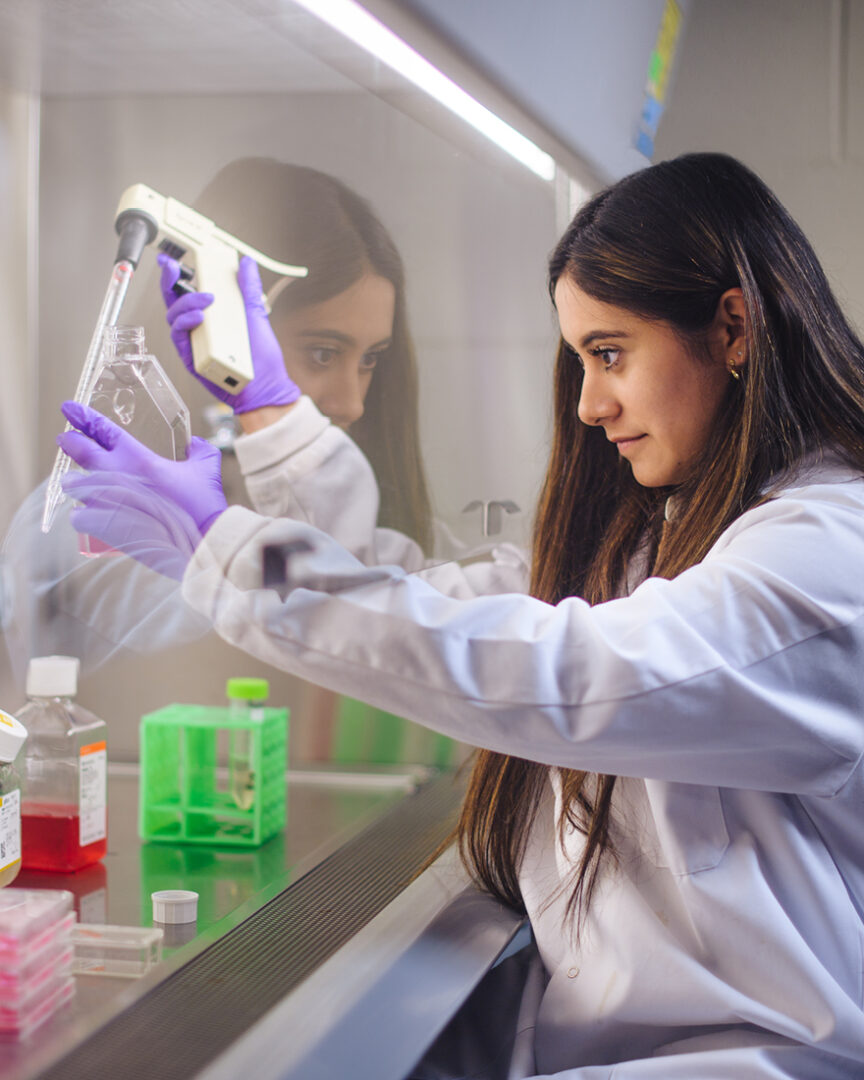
(744, 671)
(54, 601)
(305, 468)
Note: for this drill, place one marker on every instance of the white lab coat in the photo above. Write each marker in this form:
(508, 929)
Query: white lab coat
(726, 938)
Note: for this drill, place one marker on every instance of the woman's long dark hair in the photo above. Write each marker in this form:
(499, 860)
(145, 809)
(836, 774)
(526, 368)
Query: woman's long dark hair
(302, 216)
(665, 243)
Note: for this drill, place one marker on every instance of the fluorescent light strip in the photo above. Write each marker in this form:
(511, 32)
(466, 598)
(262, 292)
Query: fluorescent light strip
(355, 22)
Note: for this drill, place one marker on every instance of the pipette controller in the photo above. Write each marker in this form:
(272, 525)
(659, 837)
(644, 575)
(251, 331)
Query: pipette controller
(220, 345)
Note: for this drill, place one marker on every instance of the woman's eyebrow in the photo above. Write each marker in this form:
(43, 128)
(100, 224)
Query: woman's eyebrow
(596, 334)
(333, 335)
(341, 338)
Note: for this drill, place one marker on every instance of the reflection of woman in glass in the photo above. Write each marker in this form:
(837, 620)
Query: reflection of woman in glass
(344, 343)
(343, 329)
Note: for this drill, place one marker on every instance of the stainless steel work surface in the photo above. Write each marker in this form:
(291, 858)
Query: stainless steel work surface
(326, 810)
(376, 1005)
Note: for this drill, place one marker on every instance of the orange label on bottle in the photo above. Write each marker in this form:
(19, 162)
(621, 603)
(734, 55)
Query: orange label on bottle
(93, 748)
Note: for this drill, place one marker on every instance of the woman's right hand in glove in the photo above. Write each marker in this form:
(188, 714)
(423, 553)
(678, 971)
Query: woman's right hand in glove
(271, 383)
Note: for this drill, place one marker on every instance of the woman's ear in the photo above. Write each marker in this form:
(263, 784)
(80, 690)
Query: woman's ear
(730, 324)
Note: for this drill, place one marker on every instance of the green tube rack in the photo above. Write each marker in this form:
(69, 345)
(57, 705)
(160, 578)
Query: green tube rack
(185, 789)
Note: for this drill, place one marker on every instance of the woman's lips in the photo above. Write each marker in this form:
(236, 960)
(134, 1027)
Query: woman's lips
(625, 444)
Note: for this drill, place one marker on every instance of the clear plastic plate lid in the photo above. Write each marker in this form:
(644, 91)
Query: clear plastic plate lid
(26, 913)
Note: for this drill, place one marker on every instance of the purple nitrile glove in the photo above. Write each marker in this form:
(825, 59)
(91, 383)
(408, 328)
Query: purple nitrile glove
(271, 384)
(134, 518)
(193, 485)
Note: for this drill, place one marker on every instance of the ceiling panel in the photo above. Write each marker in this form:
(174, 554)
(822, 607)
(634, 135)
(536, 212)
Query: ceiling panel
(102, 47)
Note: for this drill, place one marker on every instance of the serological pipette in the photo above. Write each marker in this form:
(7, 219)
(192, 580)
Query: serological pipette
(121, 275)
(136, 229)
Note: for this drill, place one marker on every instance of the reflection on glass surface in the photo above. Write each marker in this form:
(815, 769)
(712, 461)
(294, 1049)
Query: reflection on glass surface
(89, 888)
(344, 328)
(423, 330)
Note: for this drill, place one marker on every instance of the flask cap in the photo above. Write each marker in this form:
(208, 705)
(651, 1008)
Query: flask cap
(53, 676)
(248, 689)
(12, 736)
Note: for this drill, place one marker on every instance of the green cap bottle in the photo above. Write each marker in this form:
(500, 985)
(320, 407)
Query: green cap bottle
(247, 689)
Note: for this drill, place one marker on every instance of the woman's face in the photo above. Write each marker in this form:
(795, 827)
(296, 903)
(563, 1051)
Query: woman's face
(331, 348)
(653, 399)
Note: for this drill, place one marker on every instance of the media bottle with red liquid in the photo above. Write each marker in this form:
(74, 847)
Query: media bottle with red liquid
(64, 813)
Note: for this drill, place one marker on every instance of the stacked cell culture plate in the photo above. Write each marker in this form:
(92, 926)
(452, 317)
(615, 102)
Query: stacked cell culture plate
(35, 957)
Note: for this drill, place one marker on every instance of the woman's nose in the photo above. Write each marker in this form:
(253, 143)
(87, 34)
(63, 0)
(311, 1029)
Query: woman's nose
(343, 400)
(596, 403)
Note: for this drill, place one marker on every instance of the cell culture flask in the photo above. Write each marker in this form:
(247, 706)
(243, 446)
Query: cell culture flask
(131, 388)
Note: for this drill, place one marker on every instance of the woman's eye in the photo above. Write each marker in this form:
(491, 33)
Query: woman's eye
(370, 359)
(609, 356)
(321, 355)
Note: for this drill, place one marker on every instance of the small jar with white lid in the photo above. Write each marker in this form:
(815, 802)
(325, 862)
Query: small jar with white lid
(12, 736)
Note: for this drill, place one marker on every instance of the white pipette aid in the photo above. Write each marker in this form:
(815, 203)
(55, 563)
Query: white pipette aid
(220, 345)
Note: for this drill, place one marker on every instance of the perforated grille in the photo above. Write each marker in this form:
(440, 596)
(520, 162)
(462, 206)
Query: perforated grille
(188, 1020)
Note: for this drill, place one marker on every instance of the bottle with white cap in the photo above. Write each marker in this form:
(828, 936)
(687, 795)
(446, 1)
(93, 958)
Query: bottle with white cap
(64, 813)
(12, 736)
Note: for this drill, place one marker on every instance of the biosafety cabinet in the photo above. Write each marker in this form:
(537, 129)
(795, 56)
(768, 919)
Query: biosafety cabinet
(342, 946)
(96, 97)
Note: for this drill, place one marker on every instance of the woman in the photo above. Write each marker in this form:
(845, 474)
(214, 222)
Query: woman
(670, 782)
(344, 343)
(343, 329)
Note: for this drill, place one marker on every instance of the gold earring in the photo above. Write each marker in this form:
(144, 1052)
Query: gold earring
(733, 371)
